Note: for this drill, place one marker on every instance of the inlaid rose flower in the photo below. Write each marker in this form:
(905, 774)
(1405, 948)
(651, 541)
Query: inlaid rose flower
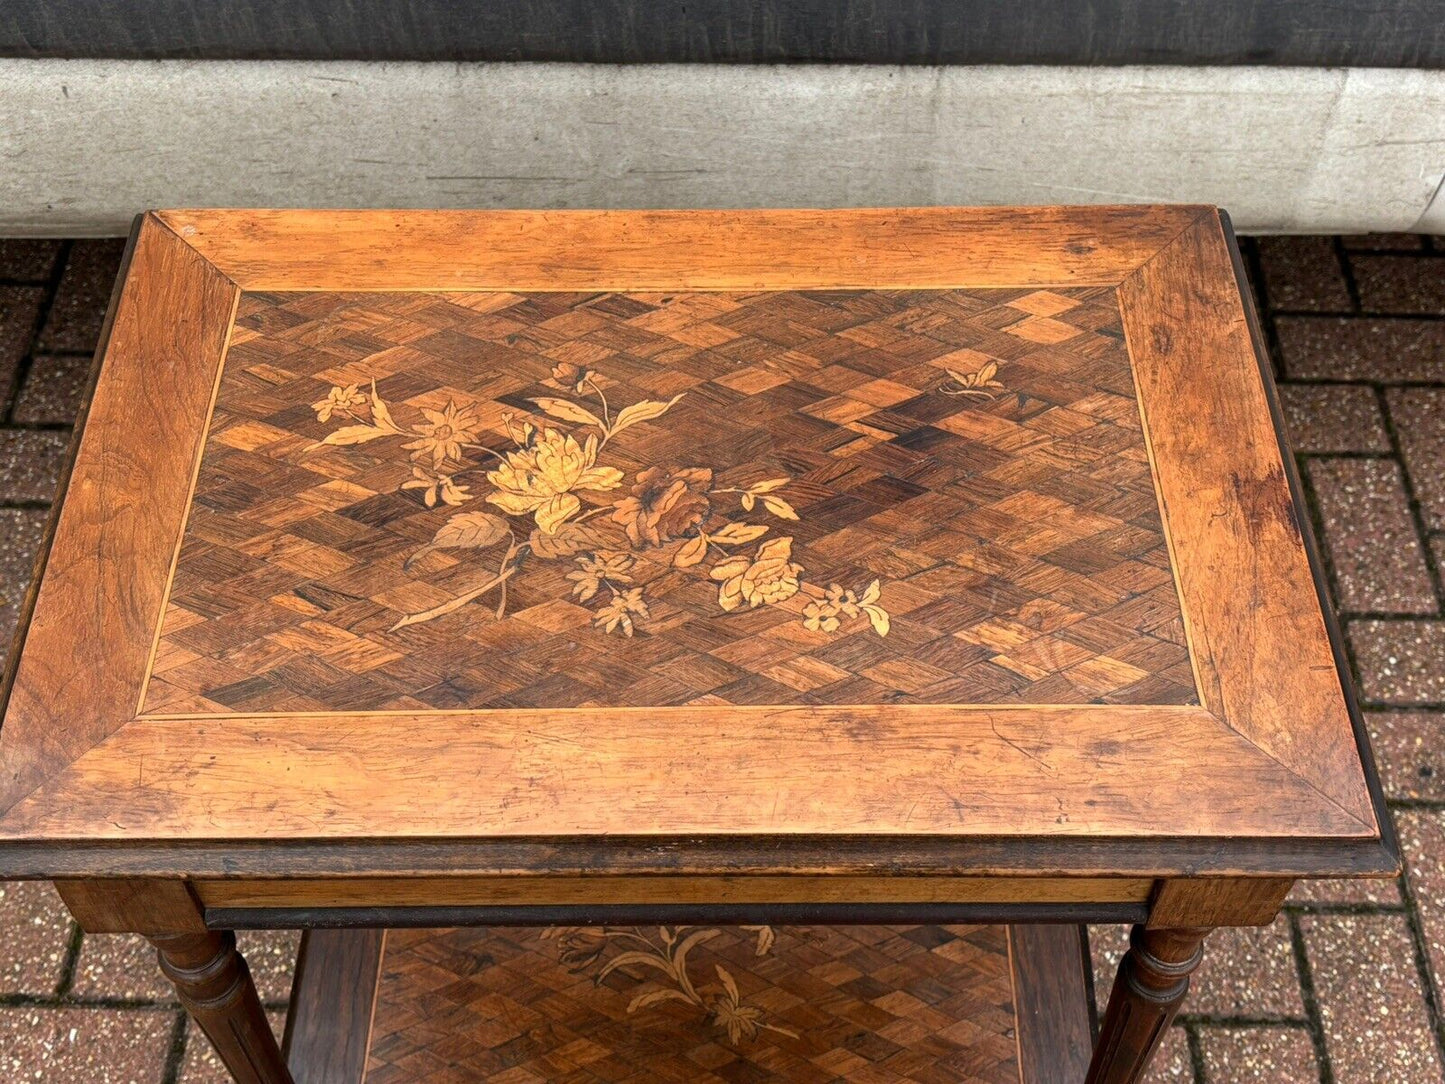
(770, 577)
(665, 503)
(571, 375)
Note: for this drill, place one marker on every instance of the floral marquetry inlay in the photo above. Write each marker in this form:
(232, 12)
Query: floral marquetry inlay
(413, 501)
(678, 512)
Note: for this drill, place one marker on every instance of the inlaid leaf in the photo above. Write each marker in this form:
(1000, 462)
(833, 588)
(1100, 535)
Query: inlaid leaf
(691, 553)
(635, 958)
(354, 434)
(878, 618)
(568, 411)
(380, 414)
(568, 539)
(735, 534)
(645, 411)
(768, 486)
(749, 502)
(653, 997)
(729, 983)
(470, 531)
(690, 942)
(464, 531)
(766, 937)
(779, 507)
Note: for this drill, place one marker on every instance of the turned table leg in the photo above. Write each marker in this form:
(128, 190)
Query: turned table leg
(1152, 981)
(214, 984)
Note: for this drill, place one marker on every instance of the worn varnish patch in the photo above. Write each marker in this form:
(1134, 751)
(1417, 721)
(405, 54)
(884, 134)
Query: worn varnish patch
(428, 501)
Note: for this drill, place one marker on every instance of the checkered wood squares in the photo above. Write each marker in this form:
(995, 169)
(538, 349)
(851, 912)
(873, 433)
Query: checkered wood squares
(1017, 539)
(864, 1003)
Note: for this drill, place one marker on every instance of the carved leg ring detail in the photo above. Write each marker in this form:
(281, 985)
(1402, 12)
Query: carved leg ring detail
(214, 984)
(1152, 981)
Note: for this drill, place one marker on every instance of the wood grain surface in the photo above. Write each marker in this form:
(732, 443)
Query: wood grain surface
(1031, 771)
(268, 732)
(333, 997)
(1255, 623)
(87, 645)
(921, 247)
(1052, 1001)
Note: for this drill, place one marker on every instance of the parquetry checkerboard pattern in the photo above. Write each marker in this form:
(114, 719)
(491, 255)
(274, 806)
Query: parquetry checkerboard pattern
(1012, 527)
(827, 1004)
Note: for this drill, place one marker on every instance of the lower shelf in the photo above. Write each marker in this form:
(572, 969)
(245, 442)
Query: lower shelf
(972, 1004)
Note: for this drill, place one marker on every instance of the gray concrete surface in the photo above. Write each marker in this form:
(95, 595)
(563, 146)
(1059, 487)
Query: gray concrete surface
(84, 145)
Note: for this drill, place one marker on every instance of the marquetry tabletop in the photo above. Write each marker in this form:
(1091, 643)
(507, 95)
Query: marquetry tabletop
(932, 524)
(455, 568)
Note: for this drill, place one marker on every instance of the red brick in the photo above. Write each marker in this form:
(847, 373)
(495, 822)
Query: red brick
(1376, 891)
(37, 933)
(1400, 284)
(78, 310)
(1333, 418)
(1422, 839)
(1385, 351)
(1245, 972)
(30, 463)
(1248, 971)
(21, 531)
(1369, 242)
(1376, 1024)
(1171, 1064)
(24, 260)
(1303, 273)
(1400, 661)
(1377, 555)
(85, 1046)
(53, 390)
(19, 310)
(1267, 1055)
(1419, 417)
(201, 1066)
(1409, 753)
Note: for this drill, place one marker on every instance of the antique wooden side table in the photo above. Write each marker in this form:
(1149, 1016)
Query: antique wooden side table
(591, 568)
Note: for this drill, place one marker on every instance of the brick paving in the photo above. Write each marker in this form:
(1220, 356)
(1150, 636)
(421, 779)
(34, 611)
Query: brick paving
(1344, 987)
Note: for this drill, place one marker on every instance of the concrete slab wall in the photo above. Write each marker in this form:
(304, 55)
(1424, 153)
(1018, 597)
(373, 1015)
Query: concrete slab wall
(86, 144)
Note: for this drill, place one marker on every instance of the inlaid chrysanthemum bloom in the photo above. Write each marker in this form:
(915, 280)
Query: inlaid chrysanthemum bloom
(540, 479)
(443, 433)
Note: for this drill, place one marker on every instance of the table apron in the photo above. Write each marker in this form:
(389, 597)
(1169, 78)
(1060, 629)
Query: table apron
(653, 889)
(586, 900)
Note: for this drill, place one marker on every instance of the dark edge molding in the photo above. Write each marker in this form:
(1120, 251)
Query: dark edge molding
(873, 856)
(727, 914)
(1388, 841)
(42, 556)
(1089, 984)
